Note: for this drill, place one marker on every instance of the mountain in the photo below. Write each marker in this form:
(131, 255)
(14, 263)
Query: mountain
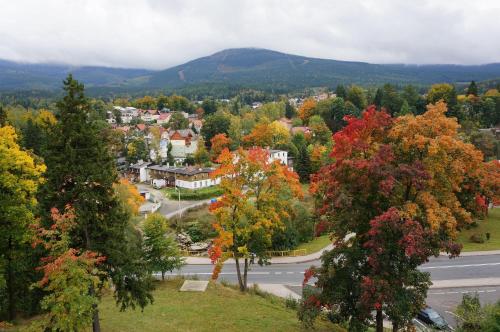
(243, 68)
(265, 68)
(22, 76)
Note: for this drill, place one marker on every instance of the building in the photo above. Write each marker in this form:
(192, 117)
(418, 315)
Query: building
(183, 177)
(280, 155)
(139, 172)
(163, 118)
(184, 142)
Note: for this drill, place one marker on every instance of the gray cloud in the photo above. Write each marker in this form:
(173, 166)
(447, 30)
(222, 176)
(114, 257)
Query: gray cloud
(159, 34)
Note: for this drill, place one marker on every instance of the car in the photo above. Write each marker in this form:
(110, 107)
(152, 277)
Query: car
(431, 317)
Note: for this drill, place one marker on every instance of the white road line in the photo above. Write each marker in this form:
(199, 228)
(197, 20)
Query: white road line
(277, 272)
(463, 292)
(290, 272)
(457, 266)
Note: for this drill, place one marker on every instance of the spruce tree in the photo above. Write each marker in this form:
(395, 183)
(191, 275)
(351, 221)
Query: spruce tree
(81, 172)
(341, 92)
(289, 110)
(3, 117)
(472, 89)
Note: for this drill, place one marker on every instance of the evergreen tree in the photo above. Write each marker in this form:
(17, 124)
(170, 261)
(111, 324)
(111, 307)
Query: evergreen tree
(472, 89)
(405, 109)
(377, 100)
(289, 110)
(3, 117)
(32, 137)
(341, 92)
(170, 157)
(81, 173)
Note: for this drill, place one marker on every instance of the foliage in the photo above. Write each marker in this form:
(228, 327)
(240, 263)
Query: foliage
(218, 143)
(194, 194)
(178, 121)
(306, 109)
(68, 274)
(256, 199)
(128, 195)
(161, 250)
(474, 317)
(136, 150)
(214, 124)
(394, 196)
(81, 172)
(20, 177)
(201, 156)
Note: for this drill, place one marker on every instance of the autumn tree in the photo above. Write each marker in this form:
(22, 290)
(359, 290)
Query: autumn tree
(20, 177)
(306, 109)
(218, 143)
(201, 156)
(81, 173)
(146, 102)
(162, 251)
(128, 195)
(256, 200)
(273, 135)
(395, 195)
(137, 150)
(214, 124)
(68, 274)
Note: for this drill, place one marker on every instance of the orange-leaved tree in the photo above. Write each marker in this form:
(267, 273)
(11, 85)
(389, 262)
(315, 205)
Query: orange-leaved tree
(257, 197)
(218, 143)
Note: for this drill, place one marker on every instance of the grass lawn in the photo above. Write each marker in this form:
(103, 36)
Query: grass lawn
(218, 309)
(315, 245)
(193, 194)
(489, 225)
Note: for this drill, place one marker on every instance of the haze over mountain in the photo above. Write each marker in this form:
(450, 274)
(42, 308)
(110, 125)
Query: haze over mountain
(245, 67)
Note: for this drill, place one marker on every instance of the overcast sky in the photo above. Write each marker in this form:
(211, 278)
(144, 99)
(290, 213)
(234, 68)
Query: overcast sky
(162, 33)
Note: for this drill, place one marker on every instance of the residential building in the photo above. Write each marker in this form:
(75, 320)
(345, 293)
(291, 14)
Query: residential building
(183, 177)
(139, 171)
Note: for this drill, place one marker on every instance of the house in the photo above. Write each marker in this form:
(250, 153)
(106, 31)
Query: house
(127, 114)
(196, 124)
(304, 130)
(140, 126)
(280, 155)
(184, 142)
(256, 105)
(183, 177)
(163, 118)
(139, 171)
(149, 115)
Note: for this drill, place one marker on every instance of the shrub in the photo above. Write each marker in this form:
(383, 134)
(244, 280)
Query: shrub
(291, 303)
(194, 195)
(477, 238)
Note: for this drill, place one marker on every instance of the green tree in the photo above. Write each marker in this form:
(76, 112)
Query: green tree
(217, 123)
(377, 100)
(3, 117)
(201, 156)
(20, 176)
(178, 121)
(209, 106)
(170, 157)
(289, 110)
(405, 109)
(81, 173)
(391, 100)
(341, 92)
(162, 252)
(357, 96)
(472, 89)
(137, 150)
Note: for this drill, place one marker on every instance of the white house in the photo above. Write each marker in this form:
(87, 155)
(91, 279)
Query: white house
(280, 155)
(184, 177)
(184, 142)
(140, 171)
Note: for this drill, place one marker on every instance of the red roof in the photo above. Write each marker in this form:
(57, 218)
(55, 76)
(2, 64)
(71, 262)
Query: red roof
(141, 126)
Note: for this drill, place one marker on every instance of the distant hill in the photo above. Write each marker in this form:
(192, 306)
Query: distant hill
(21, 76)
(243, 67)
(265, 68)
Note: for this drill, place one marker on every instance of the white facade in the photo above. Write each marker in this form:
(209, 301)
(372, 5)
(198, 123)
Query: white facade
(197, 184)
(280, 155)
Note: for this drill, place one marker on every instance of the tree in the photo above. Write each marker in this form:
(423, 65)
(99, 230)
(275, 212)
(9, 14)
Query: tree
(162, 252)
(377, 100)
(306, 109)
(81, 173)
(201, 156)
(170, 157)
(217, 123)
(264, 134)
(68, 274)
(178, 121)
(445, 92)
(257, 197)
(289, 110)
(393, 197)
(357, 96)
(3, 117)
(137, 150)
(218, 143)
(472, 89)
(129, 196)
(20, 176)
(340, 91)
(209, 106)
(391, 100)
(405, 109)
(146, 102)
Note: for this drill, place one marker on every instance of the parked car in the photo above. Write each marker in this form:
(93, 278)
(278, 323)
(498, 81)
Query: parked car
(431, 317)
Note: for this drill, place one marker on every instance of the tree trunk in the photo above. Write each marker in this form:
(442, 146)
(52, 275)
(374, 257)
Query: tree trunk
(395, 327)
(238, 273)
(10, 282)
(96, 325)
(380, 321)
(245, 273)
(163, 275)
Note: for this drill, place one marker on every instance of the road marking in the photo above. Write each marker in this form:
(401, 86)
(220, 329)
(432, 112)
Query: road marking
(290, 272)
(463, 292)
(210, 273)
(277, 272)
(455, 266)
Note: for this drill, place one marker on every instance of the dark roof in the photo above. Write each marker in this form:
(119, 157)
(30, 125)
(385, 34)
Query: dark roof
(182, 170)
(141, 165)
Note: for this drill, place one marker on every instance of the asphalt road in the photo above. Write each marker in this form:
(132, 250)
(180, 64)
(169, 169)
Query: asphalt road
(442, 269)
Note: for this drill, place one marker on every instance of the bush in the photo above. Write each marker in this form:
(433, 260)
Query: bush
(477, 238)
(291, 303)
(194, 195)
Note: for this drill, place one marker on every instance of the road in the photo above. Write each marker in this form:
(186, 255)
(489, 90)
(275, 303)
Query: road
(467, 274)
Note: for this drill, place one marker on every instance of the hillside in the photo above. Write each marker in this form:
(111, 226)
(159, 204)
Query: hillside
(265, 68)
(243, 67)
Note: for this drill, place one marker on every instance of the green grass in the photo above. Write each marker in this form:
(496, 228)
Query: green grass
(316, 244)
(490, 225)
(218, 309)
(193, 194)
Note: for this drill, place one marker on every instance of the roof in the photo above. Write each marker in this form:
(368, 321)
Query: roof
(300, 129)
(140, 165)
(141, 126)
(164, 116)
(183, 132)
(182, 170)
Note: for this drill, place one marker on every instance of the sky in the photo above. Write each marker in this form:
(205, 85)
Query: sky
(158, 34)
